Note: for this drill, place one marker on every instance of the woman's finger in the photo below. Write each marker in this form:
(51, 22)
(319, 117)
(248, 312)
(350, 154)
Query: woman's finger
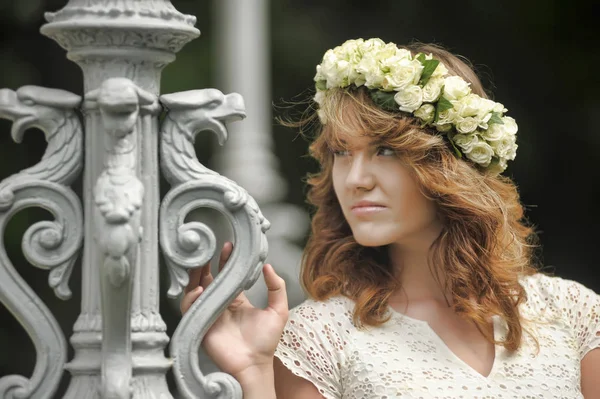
(190, 298)
(277, 294)
(195, 275)
(206, 276)
(225, 254)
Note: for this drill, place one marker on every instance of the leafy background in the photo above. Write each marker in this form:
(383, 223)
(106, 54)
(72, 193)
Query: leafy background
(538, 57)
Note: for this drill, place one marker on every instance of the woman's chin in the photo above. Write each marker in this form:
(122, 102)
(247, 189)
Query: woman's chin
(370, 240)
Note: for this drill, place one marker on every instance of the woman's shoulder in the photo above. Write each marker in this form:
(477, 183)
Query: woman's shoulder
(336, 309)
(556, 295)
(553, 287)
(567, 304)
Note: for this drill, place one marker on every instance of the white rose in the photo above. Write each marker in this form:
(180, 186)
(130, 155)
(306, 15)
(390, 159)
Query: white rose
(443, 127)
(385, 54)
(494, 132)
(469, 105)
(512, 152)
(440, 71)
(403, 72)
(433, 89)
(485, 107)
(467, 125)
(497, 166)
(499, 108)
(504, 146)
(410, 98)
(483, 121)
(447, 116)
(510, 125)
(426, 113)
(319, 96)
(403, 53)
(370, 71)
(343, 70)
(481, 153)
(318, 75)
(329, 70)
(455, 88)
(465, 141)
(371, 45)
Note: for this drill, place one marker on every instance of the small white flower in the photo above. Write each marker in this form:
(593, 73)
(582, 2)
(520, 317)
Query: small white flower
(371, 72)
(447, 116)
(433, 89)
(426, 113)
(497, 166)
(481, 153)
(469, 105)
(504, 146)
(465, 141)
(440, 71)
(512, 151)
(319, 96)
(455, 88)
(486, 106)
(499, 108)
(370, 45)
(403, 53)
(510, 125)
(494, 132)
(443, 127)
(467, 125)
(403, 72)
(410, 98)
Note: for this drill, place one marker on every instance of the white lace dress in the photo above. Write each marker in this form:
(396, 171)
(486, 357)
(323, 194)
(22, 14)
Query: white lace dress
(405, 358)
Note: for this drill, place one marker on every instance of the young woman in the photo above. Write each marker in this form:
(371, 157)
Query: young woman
(419, 267)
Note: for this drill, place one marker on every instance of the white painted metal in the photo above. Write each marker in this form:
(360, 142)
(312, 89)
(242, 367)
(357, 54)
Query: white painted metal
(119, 338)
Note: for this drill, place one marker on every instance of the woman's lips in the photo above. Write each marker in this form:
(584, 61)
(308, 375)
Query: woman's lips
(367, 210)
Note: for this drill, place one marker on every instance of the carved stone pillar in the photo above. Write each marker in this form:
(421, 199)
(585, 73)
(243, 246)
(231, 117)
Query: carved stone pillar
(120, 338)
(122, 47)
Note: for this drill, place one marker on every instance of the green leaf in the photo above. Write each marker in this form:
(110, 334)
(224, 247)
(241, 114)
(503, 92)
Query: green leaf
(496, 118)
(429, 67)
(385, 99)
(443, 104)
(321, 85)
(421, 58)
(456, 150)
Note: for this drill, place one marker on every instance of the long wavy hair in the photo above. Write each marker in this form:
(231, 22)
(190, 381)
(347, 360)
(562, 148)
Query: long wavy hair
(485, 246)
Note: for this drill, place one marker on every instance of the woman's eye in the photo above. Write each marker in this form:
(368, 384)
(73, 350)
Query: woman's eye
(339, 153)
(385, 151)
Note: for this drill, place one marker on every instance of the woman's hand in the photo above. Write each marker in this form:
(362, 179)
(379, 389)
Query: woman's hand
(243, 339)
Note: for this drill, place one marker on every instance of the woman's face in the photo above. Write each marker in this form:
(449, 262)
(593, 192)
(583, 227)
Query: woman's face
(379, 197)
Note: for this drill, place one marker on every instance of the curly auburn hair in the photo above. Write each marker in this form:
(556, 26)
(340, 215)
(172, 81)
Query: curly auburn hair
(485, 246)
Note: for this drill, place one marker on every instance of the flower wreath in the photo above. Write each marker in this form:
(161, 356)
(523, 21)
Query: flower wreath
(476, 127)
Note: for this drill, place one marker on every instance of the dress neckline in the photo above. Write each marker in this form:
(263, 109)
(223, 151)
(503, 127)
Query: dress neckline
(496, 325)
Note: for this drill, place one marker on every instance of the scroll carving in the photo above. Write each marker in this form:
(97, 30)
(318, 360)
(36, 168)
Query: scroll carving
(189, 245)
(118, 196)
(52, 245)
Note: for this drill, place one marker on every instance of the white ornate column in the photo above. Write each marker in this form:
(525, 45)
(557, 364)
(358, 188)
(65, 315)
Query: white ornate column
(120, 337)
(122, 47)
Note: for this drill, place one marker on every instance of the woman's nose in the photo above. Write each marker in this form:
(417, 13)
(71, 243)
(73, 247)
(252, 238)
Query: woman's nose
(360, 175)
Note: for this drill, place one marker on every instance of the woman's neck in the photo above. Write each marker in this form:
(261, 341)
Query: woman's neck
(410, 262)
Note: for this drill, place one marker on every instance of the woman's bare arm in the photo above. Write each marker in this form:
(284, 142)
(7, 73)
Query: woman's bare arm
(590, 374)
(290, 386)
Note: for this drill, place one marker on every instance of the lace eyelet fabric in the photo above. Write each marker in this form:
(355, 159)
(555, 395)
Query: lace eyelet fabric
(404, 358)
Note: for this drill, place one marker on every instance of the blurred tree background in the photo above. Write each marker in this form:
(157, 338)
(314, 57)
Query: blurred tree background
(537, 57)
